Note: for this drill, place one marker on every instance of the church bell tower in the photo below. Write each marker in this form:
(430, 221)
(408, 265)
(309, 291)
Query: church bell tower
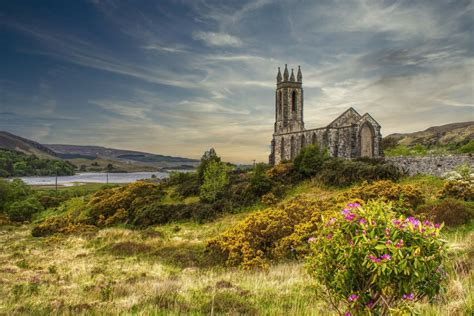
(289, 102)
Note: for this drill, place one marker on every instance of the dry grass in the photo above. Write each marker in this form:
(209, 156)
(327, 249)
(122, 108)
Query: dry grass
(164, 270)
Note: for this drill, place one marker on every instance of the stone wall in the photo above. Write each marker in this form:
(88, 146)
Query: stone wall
(433, 165)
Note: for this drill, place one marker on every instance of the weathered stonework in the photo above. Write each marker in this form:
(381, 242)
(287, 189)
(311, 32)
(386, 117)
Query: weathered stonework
(433, 165)
(350, 135)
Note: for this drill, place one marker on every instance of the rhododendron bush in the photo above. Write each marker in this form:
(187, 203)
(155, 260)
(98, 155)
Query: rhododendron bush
(368, 259)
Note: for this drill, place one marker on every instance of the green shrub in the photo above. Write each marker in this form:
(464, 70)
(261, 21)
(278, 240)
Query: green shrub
(449, 211)
(214, 182)
(310, 160)
(208, 157)
(23, 210)
(370, 261)
(467, 148)
(341, 172)
(260, 182)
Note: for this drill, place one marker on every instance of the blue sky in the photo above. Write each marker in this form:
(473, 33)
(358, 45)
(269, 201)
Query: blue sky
(177, 77)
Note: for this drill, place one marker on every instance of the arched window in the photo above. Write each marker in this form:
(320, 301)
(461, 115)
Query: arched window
(314, 139)
(280, 104)
(293, 101)
(292, 148)
(282, 149)
(302, 141)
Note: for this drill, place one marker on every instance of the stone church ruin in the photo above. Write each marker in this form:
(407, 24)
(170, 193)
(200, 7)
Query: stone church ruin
(350, 135)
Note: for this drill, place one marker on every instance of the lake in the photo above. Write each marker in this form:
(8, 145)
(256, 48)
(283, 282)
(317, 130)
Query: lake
(93, 177)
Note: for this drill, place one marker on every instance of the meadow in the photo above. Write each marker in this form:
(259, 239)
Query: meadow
(241, 248)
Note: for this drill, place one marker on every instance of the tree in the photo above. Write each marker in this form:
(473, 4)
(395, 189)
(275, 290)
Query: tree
(310, 160)
(260, 182)
(215, 180)
(208, 157)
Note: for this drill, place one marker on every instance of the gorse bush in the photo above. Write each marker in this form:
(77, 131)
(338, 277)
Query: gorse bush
(281, 231)
(370, 261)
(457, 189)
(341, 172)
(405, 198)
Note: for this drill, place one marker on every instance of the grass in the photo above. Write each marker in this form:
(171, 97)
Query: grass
(164, 270)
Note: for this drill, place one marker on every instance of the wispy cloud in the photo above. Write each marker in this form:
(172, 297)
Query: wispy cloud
(217, 39)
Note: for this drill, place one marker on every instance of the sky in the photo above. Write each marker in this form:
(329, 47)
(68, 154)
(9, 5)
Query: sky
(179, 77)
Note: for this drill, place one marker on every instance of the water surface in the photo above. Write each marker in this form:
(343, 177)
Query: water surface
(94, 177)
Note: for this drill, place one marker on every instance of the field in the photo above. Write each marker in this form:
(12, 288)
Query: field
(165, 270)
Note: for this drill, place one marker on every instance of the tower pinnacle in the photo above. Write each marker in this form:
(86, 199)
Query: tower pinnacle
(299, 76)
(279, 75)
(292, 77)
(285, 74)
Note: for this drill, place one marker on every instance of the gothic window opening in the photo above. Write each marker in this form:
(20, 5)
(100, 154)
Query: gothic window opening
(293, 101)
(313, 141)
(302, 141)
(280, 104)
(292, 148)
(282, 149)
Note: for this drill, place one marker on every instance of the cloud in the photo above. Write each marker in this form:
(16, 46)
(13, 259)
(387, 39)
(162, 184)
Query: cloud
(217, 39)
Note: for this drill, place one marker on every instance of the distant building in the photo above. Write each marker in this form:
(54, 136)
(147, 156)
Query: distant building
(350, 135)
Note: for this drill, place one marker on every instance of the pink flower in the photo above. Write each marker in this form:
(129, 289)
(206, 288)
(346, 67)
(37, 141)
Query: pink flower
(388, 242)
(347, 314)
(408, 297)
(353, 205)
(370, 304)
(437, 225)
(362, 221)
(329, 236)
(396, 222)
(386, 257)
(331, 221)
(400, 243)
(374, 222)
(311, 239)
(353, 298)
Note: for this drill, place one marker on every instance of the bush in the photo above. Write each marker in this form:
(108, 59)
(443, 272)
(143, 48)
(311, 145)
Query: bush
(405, 198)
(457, 189)
(208, 157)
(282, 231)
(449, 211)
(467, 148)
(341, 172)
(107, 202)
(370, 261)
(214, 182)
(260, 182)
(22, 210)
(310, 160)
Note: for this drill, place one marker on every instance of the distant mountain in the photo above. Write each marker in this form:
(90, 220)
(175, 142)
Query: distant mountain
(26, 146)
(127, 156)
(96, 158)
(454, 134)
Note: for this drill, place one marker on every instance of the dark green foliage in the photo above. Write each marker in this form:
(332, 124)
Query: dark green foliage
(310, 160)
(449, 211)
(17, 200)
(22, 210)
(341, 172)
(187, 183)
(16, 164)
(467, 148)
(260, 182)
(208, 156)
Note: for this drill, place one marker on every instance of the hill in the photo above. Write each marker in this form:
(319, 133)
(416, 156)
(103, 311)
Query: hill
(26, 146)
(452, 135)
(121, 155)
(454, 138)
(95, 158)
